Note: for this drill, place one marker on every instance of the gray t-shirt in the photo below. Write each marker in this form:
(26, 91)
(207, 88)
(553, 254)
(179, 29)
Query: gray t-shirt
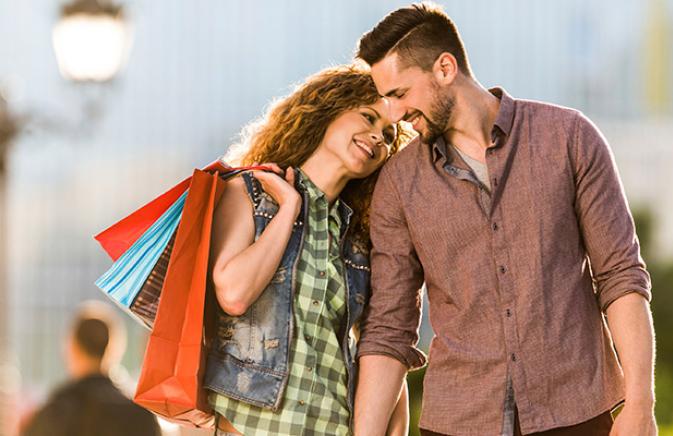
(480, 169)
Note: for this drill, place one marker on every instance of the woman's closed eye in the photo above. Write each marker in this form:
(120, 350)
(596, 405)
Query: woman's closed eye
(371, 119)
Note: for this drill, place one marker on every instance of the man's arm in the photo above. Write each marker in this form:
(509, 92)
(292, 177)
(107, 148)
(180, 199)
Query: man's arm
(630, 323)
(389, 329)
(399, 421)
(605, 221)
(380, 381)
(622, 283)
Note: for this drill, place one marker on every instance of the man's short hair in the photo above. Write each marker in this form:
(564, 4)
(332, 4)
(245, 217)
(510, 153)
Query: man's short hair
(418, 34)
(92, 336)
(97, 329)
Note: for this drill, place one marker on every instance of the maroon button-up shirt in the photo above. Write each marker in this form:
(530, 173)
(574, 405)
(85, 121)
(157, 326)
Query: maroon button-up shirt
(518, 281)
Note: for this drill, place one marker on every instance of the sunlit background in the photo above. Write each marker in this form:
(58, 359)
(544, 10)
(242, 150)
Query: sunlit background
(99, 114)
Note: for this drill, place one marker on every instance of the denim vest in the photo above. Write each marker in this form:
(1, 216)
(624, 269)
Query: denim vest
(249, 356)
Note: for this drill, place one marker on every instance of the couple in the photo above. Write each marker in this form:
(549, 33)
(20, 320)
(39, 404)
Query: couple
(510, 211)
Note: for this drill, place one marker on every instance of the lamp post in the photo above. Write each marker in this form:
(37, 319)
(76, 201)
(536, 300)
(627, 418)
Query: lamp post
(91, 41)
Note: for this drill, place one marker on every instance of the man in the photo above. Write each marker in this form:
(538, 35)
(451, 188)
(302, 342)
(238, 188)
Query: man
(90, 405)
(513, 214)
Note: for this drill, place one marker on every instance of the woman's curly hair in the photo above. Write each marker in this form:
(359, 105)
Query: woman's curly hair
(295, 125)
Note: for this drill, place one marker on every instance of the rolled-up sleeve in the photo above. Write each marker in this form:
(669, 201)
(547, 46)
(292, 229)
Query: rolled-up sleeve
(605, 220)
(391, 321)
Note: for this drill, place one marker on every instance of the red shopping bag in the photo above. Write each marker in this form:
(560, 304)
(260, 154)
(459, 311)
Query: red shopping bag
(116, 239)
(171, 375)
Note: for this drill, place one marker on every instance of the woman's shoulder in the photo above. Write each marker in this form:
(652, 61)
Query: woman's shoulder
(236, 194)
(236, 186)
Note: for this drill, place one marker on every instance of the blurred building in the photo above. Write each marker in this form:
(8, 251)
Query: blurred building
(200, 70)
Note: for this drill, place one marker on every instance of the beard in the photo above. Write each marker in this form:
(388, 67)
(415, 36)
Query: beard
(437, 121)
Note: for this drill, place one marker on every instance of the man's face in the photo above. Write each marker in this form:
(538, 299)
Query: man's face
(415, 96)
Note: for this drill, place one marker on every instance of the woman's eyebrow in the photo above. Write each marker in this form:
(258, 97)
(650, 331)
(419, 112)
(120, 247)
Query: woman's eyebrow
(373, 110)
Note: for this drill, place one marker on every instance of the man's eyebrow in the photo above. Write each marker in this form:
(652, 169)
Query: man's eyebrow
(392, 92)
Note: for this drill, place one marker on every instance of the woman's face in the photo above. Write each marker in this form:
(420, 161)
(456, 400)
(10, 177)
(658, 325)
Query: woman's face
(361, 138)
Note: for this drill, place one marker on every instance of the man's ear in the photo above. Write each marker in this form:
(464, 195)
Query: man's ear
(445, 68)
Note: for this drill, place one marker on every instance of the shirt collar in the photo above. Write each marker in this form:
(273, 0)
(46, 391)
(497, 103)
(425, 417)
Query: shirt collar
(502, 125)
(314, 193)
(307, 185)
(440, 150)
(505, 117)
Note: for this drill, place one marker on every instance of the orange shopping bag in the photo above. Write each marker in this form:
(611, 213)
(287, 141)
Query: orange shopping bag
(170, 380)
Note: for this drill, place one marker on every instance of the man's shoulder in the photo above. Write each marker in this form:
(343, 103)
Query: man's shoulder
(407, 158)
(545, 111)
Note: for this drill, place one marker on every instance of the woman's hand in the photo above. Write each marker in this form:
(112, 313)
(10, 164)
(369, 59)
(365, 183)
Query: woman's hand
(280, 188)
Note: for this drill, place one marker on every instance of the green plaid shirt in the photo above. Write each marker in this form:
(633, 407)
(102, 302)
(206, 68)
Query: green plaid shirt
(315, 400)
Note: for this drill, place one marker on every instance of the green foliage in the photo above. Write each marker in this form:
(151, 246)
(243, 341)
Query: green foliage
(664, 392)
(415, 381)
(662, 313)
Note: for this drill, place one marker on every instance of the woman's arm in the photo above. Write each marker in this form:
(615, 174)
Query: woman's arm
(241, 266)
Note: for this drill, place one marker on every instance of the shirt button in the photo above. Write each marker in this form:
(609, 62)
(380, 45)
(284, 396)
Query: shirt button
(316, 302)
(301, 402)
(508, 313)
(503, 270)
(309, 369)
(513, 357)
(307, 337)
(322, 273)
(495, 227)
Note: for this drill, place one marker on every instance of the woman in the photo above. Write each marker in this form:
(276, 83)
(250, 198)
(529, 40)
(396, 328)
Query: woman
(290, 260)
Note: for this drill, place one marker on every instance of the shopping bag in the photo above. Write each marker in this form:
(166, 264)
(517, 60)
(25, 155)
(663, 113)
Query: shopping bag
(171, 375)
(119, 237)
(145, 305)
(128, 273)
(135, 279)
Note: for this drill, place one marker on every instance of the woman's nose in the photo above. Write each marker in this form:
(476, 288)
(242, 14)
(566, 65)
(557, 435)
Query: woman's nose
(377, 137)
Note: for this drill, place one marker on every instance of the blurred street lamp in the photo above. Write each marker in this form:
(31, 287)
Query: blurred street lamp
(91, 40)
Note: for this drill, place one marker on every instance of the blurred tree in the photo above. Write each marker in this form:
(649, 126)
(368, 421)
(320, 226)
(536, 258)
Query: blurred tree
(662, 313)
(415, 381)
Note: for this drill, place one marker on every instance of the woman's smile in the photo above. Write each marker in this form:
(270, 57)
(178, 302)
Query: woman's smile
(365, 148)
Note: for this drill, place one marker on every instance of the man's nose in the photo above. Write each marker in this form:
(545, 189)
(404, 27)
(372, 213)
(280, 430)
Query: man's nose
(397, 111)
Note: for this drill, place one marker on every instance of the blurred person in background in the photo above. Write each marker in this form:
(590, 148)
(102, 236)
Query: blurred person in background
(513, 214)
(89, 404)
(290, 261)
